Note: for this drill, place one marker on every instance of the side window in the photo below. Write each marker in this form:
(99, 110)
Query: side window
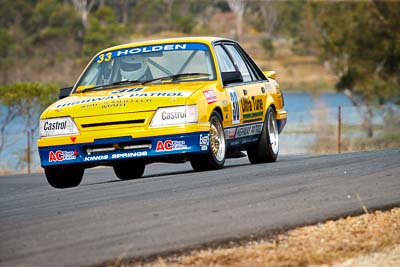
(247, 74)
(224, 62)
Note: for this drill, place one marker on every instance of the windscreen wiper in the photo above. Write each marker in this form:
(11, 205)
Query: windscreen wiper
(177, 77)
(104, 86)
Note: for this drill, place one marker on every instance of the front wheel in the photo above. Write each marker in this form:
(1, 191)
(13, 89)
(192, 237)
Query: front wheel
(215, 158)
(129, 170)
(64, 177)
(267, 148)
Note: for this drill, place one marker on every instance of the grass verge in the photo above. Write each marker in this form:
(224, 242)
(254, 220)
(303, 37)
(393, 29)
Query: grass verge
(321, 244)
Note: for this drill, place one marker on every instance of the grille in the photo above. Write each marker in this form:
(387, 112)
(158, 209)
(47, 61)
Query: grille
(118, 147)
(112, 123)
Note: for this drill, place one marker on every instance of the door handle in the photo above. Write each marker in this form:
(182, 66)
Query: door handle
(244, 91)
(263, 89)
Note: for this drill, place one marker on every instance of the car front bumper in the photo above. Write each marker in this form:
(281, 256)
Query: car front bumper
(106, 151)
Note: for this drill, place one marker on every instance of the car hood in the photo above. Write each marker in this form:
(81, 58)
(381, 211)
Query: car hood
(123, 100)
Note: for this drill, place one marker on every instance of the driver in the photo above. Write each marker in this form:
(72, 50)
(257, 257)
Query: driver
(135, 67)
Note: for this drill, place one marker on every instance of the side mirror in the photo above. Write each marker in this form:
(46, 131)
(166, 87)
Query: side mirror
(231, 77)
(270, 74)
(64, 92)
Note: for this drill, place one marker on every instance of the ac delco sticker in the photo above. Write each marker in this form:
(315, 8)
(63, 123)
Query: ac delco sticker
(169, 145)
(60, 155)
(210, 96)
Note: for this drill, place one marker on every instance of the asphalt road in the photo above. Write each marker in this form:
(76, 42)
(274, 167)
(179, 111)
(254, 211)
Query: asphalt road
(173, 207)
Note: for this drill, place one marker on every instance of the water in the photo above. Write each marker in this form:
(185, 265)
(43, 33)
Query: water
(301, 109)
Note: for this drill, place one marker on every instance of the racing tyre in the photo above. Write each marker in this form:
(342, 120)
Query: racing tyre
(267, 148)
(64, 177)
(215, 158)
(129, 170)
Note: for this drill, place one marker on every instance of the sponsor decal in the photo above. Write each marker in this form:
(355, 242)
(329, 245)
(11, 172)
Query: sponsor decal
(127, 90)
(115, 104)
(95, 158)
(230, 133)
(90, 100)
(233, 95)
(169, 145)
(252, 115)
(90, 105)
(73, 138)
(60, 155)
(252, 107)
(129, 155)
(171, 115)
(57, 125)
(251, 104)
(204, 142)
(148, 49)
(210, 96)
(249, 130)
(123, 155)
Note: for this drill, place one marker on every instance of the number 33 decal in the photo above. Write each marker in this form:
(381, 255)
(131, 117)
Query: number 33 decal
(102, 58)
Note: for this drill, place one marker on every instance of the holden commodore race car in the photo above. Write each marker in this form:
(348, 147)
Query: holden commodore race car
(201, 100)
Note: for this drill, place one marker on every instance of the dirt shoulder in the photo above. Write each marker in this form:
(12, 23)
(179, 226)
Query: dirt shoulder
(352, 241)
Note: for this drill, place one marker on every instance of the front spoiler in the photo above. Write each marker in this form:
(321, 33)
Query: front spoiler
(108, 150)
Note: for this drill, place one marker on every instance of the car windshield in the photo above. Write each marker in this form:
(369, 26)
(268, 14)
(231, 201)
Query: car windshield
(149, 63)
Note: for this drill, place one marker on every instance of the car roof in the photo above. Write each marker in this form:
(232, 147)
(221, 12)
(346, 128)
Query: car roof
(206, 39)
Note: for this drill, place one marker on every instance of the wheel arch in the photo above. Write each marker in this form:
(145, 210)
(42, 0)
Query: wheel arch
(219, 111)
(272, 105)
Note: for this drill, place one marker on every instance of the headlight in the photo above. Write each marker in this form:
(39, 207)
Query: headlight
(175, 115)
(57, 126)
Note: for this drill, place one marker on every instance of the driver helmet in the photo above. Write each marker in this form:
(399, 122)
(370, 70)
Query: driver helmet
(133, 67)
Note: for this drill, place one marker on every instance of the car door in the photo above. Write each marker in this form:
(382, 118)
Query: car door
(246, 97)
(252, 97)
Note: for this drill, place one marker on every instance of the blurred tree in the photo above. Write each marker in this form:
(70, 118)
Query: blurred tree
(166, 15)
(14, 19)
(61, 27)
(291, 15)
(182, 17)
(360, 41)
(6, 50)
(268, 46)
(263, 16)
(102, 31)
(149, 17)
(84, 7)
(238, 7)
(124, 8)
(25, 100)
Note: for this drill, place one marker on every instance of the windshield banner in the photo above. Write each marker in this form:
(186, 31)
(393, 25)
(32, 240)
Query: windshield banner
(149, 49)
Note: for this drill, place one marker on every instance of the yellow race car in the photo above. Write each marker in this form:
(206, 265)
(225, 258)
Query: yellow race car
(174, 100)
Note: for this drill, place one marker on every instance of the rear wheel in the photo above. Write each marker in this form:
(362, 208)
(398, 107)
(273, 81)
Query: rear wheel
(215, 158)
(129, 170)
(267, 148)
(64, 177)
